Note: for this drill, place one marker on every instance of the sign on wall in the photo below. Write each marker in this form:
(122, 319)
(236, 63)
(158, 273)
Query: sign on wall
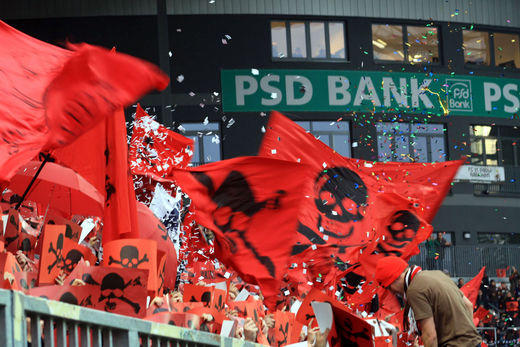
(475, 173)
(368, 91)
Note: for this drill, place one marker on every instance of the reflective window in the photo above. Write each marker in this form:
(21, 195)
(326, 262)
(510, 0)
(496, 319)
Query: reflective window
(499, 238)
(494, 145)
(337, 40)
(476, 47)
(206, 139)
(387, 42)
(278, 40)
(298, 40)
(420, 43)
(317, 39)
(507, 50)
(308, 40)
(423, 44)
(406, 142)
(334, 134)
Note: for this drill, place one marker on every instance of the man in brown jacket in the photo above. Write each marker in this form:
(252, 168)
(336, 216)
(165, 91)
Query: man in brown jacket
(443, 314)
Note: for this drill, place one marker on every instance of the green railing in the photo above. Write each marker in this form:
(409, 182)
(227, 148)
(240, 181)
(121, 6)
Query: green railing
(53, 323)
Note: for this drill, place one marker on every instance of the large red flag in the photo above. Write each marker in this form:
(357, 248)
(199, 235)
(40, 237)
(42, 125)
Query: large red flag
(156, 150)
(51, 95)
(251, 204)
(471, 288)
(358, 210)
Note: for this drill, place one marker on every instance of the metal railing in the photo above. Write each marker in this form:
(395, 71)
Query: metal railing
(53, 323)
(466, 261)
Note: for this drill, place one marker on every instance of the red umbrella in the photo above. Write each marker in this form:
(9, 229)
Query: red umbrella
(151, 228)
(60, 188)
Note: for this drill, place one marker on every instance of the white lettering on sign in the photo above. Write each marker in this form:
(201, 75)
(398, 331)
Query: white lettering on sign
(366, 83)
(418, 93)
(271, 90)
(491, 93)
(305, 90)
(338, 86)
(508, 88)
(242, 90)
(389, 87)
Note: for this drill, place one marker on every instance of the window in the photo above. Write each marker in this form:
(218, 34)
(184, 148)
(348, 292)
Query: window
(499, 238)
(477, 47)
(407, 142)
(308, 40)
(405, 43)
(334, 134)
(206, 141)
(494, 145)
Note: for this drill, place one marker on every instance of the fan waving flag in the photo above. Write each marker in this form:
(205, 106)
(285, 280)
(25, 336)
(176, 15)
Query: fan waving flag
(155, 150)
(251, 204)
(471, 288)
(52, 95)
(356, 211)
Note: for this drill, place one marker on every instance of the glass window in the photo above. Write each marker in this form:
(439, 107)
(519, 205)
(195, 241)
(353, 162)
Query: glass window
(494, 145)
(206, 139)
(499, 238)
(387, 42)
(423, 44)
(298, 40)
(507, 51)
(476, 47)
(410, 142)
(334, 134)
(278, 40)
(336, 40)
(308, 40)
(318, 40)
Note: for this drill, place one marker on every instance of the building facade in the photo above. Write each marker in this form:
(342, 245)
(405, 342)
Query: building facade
(422, 81)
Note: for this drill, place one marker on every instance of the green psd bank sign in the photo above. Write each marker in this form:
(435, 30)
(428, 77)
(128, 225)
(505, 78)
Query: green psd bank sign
(368, 91)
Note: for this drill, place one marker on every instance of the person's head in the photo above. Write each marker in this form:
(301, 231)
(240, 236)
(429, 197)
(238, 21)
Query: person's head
(439, 236)
(493, 283)
(432, 236)
(503, 285)
(390, 272)
(461, 281)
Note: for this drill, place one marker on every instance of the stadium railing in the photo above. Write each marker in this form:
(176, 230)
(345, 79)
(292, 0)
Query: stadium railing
(53, 323)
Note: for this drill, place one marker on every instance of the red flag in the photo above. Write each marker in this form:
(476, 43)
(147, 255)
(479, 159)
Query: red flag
(471, 288)
(351, 211)
(251, 204)
(156, 150)
(51, 95)
(120, 217)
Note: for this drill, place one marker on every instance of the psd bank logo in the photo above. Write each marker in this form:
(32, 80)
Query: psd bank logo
(459, 96)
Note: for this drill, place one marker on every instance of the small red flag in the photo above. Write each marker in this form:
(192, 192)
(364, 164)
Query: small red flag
(471, 288)
(156, 150)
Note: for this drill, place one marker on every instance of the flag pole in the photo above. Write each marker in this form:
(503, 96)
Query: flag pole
(46, 157)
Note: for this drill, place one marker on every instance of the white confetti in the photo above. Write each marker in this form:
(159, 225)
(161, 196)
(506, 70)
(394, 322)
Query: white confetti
(170, 53)
(274, 95)
(287, 292)
(273, 151)
(206, 121)
(227, 275)
(230, 123)
(255, 72)
(263, 129)
(314, 247)
(325, 237)
(191, 94)
(180, 78)
(354, 144)
(324, 164)
(228, 37)
(368, 164)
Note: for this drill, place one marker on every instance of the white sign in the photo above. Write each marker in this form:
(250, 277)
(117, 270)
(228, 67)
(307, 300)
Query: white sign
(474, 173)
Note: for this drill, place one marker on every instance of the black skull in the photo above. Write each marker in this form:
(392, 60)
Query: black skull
(402, 229)
(112, 287)
(71, 260)
(69, 298)
(340, 196)
(129, 256)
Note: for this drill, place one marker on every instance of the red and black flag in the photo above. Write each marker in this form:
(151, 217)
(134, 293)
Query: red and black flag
(251, 204)
(354, 210)
(51, 95)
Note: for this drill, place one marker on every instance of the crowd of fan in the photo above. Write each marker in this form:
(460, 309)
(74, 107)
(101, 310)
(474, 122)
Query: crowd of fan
(502, 300)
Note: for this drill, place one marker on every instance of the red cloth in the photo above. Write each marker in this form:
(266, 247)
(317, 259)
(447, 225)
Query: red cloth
(389, 269)
(120, 217)
(156, 150)
(251, 204)
(51, 95)
(471, 288)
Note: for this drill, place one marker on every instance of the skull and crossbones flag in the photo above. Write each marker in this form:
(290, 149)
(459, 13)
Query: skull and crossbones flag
(51, 95)
(357, 207)
(251, 205)
(155, 150)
